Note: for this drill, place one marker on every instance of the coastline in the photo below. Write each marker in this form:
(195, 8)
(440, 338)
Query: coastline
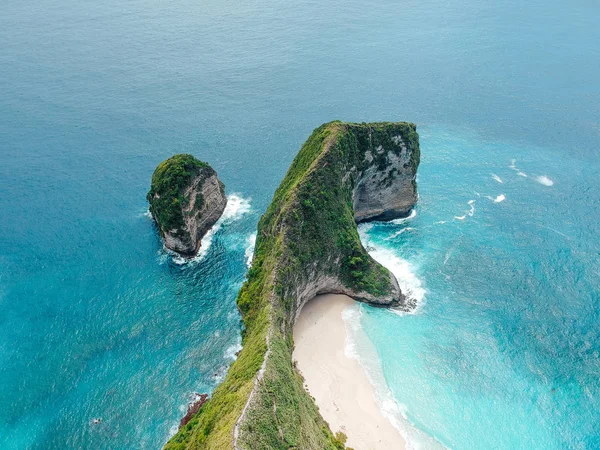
(339, 384)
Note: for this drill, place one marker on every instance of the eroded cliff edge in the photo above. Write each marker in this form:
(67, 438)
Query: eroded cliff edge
(186, 199)
(307, 244)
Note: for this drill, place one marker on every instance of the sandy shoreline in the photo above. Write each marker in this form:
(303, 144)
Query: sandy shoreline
(339, 384)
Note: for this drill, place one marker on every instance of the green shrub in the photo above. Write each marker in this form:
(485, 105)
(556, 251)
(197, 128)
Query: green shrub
(166, 195)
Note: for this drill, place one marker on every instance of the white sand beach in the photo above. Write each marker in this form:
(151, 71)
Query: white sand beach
(339, 384)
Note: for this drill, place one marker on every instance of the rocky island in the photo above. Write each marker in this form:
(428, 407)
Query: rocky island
(186, 199)
(307, 244)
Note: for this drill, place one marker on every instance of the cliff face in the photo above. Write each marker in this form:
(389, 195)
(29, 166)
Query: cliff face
(186, 200)
(387, 189)
(307, 244)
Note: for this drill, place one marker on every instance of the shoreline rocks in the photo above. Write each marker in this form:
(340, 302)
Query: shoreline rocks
(193, 407)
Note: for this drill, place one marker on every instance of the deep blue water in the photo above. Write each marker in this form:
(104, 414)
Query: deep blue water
(95, 321)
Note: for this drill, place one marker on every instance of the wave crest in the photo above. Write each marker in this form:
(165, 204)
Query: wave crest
(543, 179)
(237, 207)
(410, 284)
(249, 252)
(412, 215)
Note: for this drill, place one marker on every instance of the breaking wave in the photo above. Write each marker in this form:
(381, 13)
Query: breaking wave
(409, 282)
(513, 166)
(236, 208)
(359, 348)
(498, 199)
(543, 179)
(412, 215)
(469, 213)
(398, 233)
(231, 351)
(249, 252)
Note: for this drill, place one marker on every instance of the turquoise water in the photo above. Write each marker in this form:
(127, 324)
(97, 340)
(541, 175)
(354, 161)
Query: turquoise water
(503, 351)
(97, 322)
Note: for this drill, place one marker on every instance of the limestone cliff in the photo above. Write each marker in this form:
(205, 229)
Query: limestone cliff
(307, 244)
(387, 189)
(186, 200)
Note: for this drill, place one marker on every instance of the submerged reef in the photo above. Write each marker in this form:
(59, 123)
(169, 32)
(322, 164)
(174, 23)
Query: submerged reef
(186, 199)
(307, 244)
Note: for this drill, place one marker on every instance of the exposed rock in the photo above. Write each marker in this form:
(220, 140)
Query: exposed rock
(388, 190)
(193, 407)
(186, 200)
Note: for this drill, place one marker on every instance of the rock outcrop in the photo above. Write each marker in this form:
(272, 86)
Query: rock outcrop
(307, 244)
(387, 190)
(194, 406)
(186, 199)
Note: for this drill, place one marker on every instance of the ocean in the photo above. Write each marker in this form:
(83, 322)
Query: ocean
(502, 251)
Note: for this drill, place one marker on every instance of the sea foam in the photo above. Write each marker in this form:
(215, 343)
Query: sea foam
(409, 282)
(412, 215)
(513, 166)
(359, 347)
(236, 207)
(231, 351)
(498, 199)
(398, 233)
(249, 252)
(543, 179)
(469, 213)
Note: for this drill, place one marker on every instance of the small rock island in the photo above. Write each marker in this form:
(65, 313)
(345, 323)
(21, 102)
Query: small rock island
(186, 199)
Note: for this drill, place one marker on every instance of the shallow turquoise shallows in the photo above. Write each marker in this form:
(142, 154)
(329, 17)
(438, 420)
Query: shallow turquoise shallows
(97, 322)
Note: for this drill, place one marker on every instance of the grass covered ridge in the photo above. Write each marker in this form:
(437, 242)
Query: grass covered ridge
(307, 234)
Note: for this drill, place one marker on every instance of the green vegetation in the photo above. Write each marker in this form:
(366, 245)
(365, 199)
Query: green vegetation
(307, 231)
(166, 196)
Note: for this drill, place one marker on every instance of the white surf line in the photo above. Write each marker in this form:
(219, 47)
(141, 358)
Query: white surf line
(514, 167)
(249, 252)
(498, 199)
(543, 179)
(231, 352)
(410, 283)
(398, 233)
(556, 231)
(447, 257)
(369, 360)
(472, 205)
(412, 215)
(497, 178)
(469, 213)
(236, 207)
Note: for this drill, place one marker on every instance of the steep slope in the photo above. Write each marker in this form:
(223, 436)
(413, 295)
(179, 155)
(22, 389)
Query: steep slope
(307, 244)
(186, 199)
